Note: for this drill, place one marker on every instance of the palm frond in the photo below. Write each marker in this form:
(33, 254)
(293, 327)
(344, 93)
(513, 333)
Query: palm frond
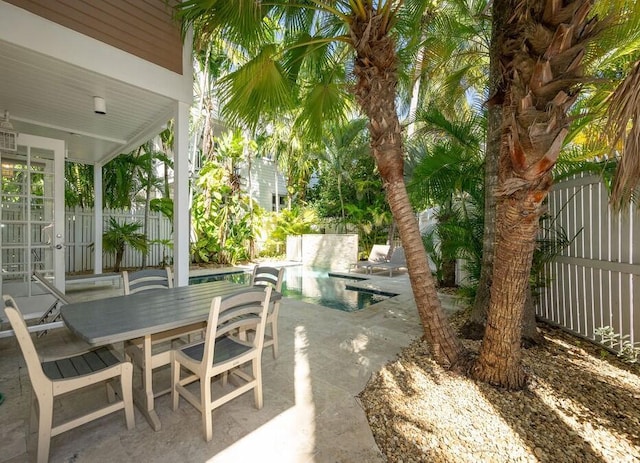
(624, 109)
(324, 102)
(240, 21)
(259, 87)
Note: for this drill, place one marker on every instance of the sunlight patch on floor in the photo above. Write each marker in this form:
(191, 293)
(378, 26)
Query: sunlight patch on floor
(298, 422)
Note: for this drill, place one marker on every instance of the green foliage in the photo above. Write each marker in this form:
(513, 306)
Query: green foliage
(166, 244)
(118, 236)
(447, 176)
(222, 214)
(628, 351)
(349, 188)
(277, 226)
(164, 206)
(78, 185)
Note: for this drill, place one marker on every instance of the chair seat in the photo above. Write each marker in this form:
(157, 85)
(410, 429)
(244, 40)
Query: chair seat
(83, 364)
(225, 349)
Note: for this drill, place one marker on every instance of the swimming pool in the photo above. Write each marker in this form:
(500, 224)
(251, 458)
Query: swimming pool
(310, 285)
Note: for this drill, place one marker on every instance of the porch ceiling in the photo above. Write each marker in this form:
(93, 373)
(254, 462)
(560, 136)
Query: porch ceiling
(51, 98)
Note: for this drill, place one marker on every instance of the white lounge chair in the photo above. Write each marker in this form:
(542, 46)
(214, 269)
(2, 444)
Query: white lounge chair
(41, 322)
(397, 261)
(379, 253)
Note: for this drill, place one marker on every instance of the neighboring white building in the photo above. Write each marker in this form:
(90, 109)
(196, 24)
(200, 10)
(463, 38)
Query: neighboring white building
(265, 184)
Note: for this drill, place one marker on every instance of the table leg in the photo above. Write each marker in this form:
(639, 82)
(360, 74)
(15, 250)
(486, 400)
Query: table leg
(144, 397)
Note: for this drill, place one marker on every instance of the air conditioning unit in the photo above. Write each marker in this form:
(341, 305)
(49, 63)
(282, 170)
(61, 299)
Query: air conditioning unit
(8, 136)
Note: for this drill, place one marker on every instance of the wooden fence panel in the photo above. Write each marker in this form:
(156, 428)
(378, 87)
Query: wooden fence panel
(80, 237)
(590, 284)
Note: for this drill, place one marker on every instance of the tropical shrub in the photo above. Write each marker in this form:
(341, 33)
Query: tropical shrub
(277, 226)
(118, 236)
(222, 213)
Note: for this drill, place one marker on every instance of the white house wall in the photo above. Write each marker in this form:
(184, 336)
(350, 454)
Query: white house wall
(264, 182)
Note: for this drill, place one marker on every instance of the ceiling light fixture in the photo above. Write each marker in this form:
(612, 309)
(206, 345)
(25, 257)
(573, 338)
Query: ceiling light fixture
(99, 105)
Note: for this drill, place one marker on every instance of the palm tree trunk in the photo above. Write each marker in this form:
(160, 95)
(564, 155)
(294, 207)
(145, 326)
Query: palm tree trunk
(500, 354)
(541, 65)
(376, 74)
(474, 327)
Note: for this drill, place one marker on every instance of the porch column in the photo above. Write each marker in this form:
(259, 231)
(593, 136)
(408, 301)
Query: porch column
(97, 219)
(181, 222)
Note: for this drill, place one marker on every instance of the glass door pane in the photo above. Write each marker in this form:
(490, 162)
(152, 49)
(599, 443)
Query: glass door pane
(27, 206)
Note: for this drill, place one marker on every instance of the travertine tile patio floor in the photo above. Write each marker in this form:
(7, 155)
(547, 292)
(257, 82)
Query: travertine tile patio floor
(310, 413)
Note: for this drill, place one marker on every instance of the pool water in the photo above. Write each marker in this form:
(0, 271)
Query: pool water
(310, 285)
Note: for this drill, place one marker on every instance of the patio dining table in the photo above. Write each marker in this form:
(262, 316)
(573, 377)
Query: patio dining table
(146, 316)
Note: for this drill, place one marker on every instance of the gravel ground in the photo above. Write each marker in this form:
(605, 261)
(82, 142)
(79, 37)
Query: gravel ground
(582, 405)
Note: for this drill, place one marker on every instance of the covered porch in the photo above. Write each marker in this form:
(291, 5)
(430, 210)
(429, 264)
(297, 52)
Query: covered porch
(96, 82)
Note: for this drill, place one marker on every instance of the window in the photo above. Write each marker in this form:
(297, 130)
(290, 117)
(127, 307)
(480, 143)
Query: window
(282, 202)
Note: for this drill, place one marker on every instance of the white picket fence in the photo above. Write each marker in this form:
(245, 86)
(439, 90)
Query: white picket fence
(80, 235)
(593, 282)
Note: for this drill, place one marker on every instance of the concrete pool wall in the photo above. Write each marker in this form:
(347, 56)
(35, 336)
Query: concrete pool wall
(323, 251)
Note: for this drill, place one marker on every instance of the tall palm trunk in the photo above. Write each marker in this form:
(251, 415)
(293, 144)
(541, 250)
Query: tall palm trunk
(376, 74)
(474, 327)
(541, 61)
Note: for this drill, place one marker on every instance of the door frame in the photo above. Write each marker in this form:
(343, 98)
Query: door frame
(58, 218)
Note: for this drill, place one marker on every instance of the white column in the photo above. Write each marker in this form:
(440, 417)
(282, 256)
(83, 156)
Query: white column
(97, 219)
(181, 222)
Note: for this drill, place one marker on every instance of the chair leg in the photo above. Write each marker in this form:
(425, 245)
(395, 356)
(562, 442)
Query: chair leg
(274, 336)
(33, 415)
(256, 366)
(205, 408)
(175, 379)
(45, 421)
(111, 393)
(126, 383)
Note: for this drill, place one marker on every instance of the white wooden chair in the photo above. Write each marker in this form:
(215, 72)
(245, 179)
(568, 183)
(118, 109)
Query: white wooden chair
(222, 353)
(136, 282)
(146, 279)
(273, 277)
(53, 378)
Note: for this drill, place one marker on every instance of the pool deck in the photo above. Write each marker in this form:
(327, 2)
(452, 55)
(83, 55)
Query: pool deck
(311, 412)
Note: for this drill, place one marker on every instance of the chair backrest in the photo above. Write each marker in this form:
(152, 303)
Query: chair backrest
(19, 326)
(398, 257)
(379, 253)
(270, 276)
(143, 280)
(245, 309)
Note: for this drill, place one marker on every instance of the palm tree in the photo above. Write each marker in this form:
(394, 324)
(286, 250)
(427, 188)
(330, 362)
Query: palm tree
(118, 236)
(448, 176)
(342, 145)
(541, 67)
(625, 112)
(319, 36)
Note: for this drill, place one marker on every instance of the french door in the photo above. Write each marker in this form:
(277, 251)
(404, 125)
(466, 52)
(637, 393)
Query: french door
(32, 219)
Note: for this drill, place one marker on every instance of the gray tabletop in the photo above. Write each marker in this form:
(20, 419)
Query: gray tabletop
(121, 318)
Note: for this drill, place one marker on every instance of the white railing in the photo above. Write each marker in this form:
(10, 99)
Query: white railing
(593, 282)
(80, 235)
